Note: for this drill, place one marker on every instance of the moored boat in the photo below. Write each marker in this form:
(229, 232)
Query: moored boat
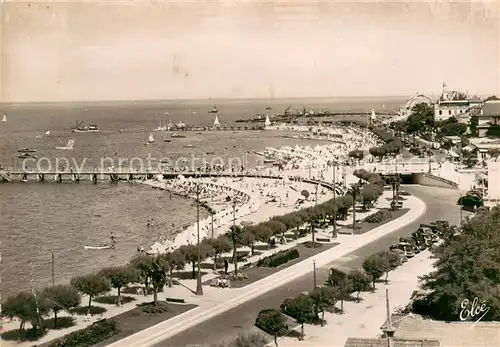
(98, 247)
(26, 150)
(177, 136)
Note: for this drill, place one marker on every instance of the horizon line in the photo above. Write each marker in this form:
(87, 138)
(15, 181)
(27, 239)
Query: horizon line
(206, 99)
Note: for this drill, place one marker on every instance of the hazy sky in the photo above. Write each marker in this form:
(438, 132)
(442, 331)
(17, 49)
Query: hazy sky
(223, 49)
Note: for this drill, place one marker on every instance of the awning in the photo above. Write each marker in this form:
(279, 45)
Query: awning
(453, 154)
(469, 148)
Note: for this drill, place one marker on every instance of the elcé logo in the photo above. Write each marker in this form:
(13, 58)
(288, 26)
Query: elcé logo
(470, 311)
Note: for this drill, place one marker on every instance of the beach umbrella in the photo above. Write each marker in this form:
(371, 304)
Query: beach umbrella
(304, 193)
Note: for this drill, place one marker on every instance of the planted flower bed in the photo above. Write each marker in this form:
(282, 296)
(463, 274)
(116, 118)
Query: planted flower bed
(279, 258)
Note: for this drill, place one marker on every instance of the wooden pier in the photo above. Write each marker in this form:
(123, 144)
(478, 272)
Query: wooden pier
(96, 176)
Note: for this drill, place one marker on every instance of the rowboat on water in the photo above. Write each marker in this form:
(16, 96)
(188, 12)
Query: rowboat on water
(99, 247)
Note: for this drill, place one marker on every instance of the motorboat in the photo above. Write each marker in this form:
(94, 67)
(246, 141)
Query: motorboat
(26, 155)
(214, 110)
(166, 139)
(69, 145)
(26, 150)
(188, 146)
(98, 247)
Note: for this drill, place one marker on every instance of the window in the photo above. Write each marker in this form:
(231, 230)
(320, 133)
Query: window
(449, 111)
(461, 111)
(440, 112)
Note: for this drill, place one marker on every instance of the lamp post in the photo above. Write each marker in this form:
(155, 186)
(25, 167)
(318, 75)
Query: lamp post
(53, 268)
(199, 287)
(314, 274)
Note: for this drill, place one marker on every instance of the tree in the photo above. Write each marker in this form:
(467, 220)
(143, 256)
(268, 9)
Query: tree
(494, 152)
(354, 191)
(369, 195)
(324, 298)
(421, 119)
(374, 267)
(190, 253)
(220, 245)
(142, 263)
(27, 308)
(360, 281)
(92, 285)
(158, 275)
(175, 261)
(250, 340)
(342, 285)
(248, 239)
(119, 277)
(273, 322)
(61, 297)
(391, 261)
(356, 154)
(453, 129)
(466, 267)
(301, 308)
(263, 233)
(395, 182)
(235, 234)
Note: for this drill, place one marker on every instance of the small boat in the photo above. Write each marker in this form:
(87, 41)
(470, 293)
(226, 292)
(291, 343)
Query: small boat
(188, 146)
(210, 153)
(98, 247)
(79, 128)
(47, 132)
(268, 108)
(151, 139)
(166, 139)
(214, 110)
(26, 150)
(178, 136)
(69, 145)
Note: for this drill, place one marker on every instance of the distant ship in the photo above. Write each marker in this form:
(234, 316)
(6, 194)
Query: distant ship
(214, 110)
(268, 108)
(79, 128)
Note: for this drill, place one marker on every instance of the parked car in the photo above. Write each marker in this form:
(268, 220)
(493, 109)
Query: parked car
(404, 193)
(402, 256)
(405, 247)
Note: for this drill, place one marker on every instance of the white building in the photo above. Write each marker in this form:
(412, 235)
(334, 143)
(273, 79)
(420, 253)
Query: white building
(483, 147)
(453, 103)
(494, 180)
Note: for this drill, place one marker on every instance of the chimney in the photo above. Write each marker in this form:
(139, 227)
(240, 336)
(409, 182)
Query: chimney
(388, 328)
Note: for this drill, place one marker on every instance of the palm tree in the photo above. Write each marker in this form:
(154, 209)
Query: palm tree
(235, 234)
(395, 182)
(354, 191)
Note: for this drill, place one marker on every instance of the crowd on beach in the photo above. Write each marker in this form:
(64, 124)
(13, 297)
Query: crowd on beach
(231, 198)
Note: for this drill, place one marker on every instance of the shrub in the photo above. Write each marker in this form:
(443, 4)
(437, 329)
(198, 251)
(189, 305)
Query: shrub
(150, 308)
(378, 217)
(310, 244)
(89, 336)
(279, 258)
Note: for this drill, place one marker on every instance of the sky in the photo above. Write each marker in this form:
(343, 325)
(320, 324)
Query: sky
(72, 51)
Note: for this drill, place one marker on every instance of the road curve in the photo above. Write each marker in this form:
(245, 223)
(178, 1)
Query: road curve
(441, 204)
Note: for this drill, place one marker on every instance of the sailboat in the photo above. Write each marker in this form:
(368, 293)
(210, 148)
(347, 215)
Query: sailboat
(216, 122)
(4, 118)
(214, 110)
(151, 139)
(47, 132)
(268, 122)
(69, 145)
(373, 116)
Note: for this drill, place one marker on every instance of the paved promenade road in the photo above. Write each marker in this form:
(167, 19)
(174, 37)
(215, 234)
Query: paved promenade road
(441, 204)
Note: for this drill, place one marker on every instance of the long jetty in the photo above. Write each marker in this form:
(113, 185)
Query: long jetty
(129, 175)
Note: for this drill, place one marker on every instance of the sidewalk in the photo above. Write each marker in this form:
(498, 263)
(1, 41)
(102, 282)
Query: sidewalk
(216, 301)
(364, 319)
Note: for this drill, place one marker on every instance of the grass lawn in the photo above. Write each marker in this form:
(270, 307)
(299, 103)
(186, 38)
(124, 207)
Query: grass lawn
(136, 320)
(255, 273)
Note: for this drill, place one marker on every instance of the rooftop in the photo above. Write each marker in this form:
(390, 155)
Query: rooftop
(491, 108)
(453, 334)
(374, 342)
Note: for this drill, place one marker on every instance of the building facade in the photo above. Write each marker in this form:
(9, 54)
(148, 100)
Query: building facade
(488, 118)
(456, 104)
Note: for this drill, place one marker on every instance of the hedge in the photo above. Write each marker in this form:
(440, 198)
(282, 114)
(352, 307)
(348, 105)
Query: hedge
(277, 259)
(91, 335)
(378, 217)
(262, 324)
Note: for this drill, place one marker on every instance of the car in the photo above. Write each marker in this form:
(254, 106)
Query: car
(404, 193)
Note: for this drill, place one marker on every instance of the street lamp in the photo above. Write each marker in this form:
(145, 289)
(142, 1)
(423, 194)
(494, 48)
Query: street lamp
(314, 274)
(199, 287)
(53, 268)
